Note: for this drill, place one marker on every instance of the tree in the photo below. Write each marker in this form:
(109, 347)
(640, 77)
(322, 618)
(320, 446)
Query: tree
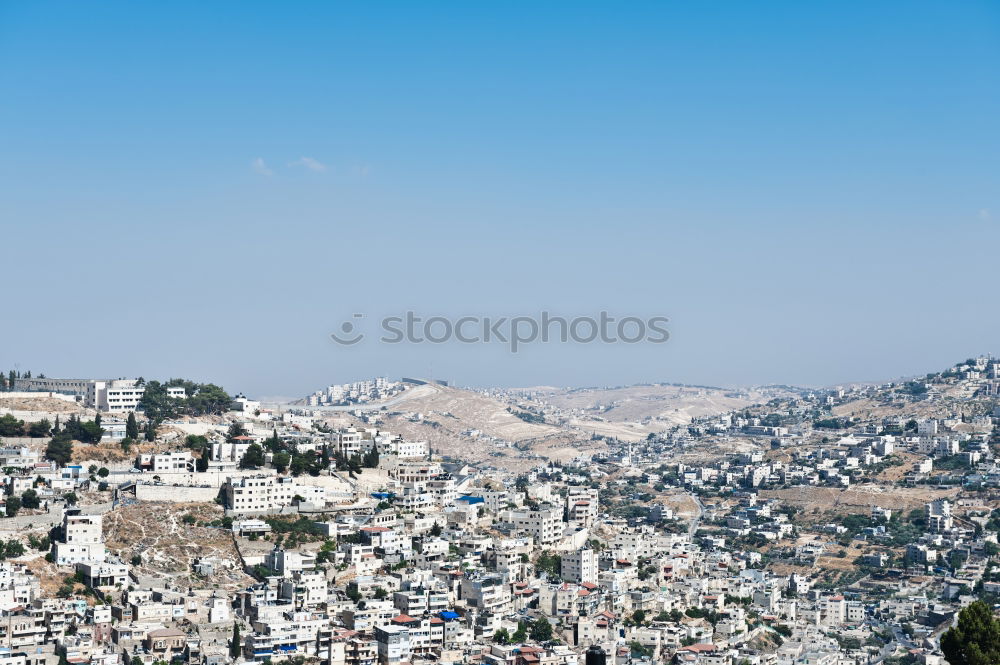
(41, 429)
(520, 635)
(541, 630)
(103, 472)
(235, 430)
(436, 530)
(11, 426)
(501, 636)
(71, 498)
(274, 444)
(60, 448)
(281, 461)
(253, 458)
(299, 464)
(976, 638)
(30, 499)
(13, 505)
(91, 431)
(151, 430)
(12, 548)
(131, 427)
(370, 460)
(235, 647)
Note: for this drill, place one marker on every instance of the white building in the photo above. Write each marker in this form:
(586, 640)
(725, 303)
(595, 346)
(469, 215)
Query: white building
(178, 461)
(82, 542)
(545, 524)
(580, 566)
(263, 494)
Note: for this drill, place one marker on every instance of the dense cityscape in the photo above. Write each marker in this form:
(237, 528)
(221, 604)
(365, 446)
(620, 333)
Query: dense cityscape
(151, 522)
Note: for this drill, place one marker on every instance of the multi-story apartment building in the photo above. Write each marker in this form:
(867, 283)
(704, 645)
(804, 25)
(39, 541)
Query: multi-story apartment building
(544, 523)
(938, 515)
(393, 644)
(580, 566)
(581, 506)
(82, 541)
(349, 442)
(490, 594)
(178, 461)
(263, 494)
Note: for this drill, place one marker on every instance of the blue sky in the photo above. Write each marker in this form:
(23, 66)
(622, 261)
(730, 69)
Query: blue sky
(810, 191)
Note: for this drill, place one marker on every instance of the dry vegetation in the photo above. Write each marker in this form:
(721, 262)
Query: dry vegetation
(168, 546)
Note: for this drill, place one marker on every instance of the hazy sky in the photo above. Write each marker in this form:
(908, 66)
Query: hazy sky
(810, 191)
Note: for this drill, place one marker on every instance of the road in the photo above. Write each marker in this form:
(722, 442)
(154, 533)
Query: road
(697, 520)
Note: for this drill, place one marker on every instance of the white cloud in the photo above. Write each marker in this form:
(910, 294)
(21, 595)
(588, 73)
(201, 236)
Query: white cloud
(309, 163)
(985, 215)
(260, 167)
(362, 170)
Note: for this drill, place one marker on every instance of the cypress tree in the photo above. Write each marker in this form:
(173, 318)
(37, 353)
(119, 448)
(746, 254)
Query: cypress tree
(235, 648)
(131, 427)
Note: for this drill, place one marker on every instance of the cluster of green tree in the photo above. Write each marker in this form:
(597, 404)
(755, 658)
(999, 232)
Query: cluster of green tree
(7, 382)
(287, 457)
(201, 399)
(528, 416)
(11, 426)
(550, 564)
(356, 462)
(832, 423)
(539, 630)
(299, 529)
(915, 388)
(699, 613)
(673, 615)
(84, 431)
(11, 549)
(951, 463)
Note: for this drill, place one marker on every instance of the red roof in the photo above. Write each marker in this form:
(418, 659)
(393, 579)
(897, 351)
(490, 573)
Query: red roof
(699, 647)
(404, 618)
